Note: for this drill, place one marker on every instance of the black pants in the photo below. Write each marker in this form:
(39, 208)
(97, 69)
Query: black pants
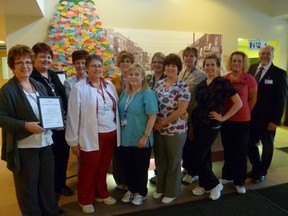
(34, 183)
(61, 157)
(235, 138)
(118, 166)
(136, 165)
(187, 162)
(204, 138)
(260, 164)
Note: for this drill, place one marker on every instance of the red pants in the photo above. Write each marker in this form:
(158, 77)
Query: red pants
(93, 169)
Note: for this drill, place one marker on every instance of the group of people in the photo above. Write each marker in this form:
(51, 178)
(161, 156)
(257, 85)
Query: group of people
(176, 112)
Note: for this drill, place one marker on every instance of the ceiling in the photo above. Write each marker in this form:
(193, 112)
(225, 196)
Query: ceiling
(274, 8)
(20, 7)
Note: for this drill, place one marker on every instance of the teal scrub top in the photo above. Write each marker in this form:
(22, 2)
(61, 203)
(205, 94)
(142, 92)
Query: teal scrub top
(144, 103)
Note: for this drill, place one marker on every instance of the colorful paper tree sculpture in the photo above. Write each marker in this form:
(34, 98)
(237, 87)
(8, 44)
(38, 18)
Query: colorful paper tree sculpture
(76, 25)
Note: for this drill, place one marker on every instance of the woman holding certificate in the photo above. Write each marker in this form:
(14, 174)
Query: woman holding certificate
(26, 146)
(93, 132)
(54, 87)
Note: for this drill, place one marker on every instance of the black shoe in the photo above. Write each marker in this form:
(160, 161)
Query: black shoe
(250, 175)
(153, 180)
(258, 179)
(61, 212)
(66, 191)
(57, 196)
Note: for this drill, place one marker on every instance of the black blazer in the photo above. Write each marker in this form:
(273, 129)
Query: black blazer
(59, 87)
(15, 110)
(271, 96)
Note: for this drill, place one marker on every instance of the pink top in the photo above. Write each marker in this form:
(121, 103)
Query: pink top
(242, 85)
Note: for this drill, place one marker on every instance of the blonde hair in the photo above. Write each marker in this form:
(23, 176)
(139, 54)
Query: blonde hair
(138, 68)
(245, 61)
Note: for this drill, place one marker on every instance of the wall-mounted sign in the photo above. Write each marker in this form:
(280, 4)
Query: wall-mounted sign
(256, 44)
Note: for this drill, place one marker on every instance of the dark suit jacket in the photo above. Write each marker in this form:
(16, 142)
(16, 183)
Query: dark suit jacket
(271, 96)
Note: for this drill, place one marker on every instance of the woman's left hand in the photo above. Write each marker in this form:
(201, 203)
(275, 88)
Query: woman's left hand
(142, 142)
(216, 116)
(185, 116)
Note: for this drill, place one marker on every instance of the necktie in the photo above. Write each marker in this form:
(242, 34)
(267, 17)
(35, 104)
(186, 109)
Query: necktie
(258, 74)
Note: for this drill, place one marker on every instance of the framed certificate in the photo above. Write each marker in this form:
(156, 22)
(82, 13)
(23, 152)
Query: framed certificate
(51, 112)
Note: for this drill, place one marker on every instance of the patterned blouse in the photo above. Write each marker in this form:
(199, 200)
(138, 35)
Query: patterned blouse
(211, 98)
(168, 99)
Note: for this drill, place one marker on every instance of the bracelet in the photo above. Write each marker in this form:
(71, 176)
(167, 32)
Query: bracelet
(145, 135)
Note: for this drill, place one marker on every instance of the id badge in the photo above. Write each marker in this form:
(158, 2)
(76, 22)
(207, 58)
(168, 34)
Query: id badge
(268, 81)
(106, 108)
(123, 122)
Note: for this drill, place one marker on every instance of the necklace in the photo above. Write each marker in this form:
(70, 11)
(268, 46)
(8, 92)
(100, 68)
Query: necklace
(34, 96)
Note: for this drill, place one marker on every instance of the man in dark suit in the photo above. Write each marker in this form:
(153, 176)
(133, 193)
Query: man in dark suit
(267, 113)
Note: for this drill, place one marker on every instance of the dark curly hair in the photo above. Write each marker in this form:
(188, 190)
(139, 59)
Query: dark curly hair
(79, 54)
(173, 59)
(41, 47)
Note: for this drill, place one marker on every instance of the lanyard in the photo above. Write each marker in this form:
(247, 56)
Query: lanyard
(50, 84)
(102, 94)
(128, 101)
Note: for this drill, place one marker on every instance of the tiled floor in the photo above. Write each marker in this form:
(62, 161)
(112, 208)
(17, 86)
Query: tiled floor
(278, 173)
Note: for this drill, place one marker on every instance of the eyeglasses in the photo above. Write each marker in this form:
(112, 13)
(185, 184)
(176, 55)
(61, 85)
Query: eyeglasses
(127, 61)
(157, 62)
(21, 64)
(95, 66)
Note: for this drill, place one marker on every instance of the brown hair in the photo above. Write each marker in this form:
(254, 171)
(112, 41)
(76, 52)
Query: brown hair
(41, 47)
(173, 59)
(79, 54)
(123, 55)
(212, 56)
(18, 51)
(192, 50)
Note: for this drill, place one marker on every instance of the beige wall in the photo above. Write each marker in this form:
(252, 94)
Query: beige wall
(227, 17)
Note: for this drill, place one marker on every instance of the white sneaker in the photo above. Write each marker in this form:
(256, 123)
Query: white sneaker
(240, 189)
(138, 199)
(198, 191)
(215, 193)
(128, 196)
(168, 200)
(225, 181)
(109, 200)
(87, 208)
(188, 179)
(157, 195)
